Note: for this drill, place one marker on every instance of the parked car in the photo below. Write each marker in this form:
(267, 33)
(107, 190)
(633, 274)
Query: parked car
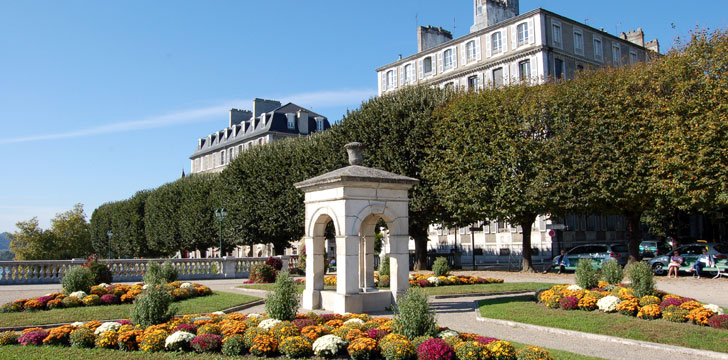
(690, 253)
(598, 253)
(653, 248)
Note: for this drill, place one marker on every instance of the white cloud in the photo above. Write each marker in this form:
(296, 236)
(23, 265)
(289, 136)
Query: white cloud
(310, 99)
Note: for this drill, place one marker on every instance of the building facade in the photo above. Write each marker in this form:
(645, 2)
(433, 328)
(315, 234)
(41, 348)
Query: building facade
(505, 47)
(267, 122)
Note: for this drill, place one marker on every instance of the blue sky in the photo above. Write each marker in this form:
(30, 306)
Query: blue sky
(99, 99)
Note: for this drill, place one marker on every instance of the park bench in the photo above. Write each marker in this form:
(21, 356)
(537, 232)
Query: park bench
(720, 267)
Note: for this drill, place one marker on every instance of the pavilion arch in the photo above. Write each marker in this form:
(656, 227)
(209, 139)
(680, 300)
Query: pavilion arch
(316, 223)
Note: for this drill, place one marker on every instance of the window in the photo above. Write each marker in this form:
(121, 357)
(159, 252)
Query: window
(558, 68)
(319, 124)
(498, 77)
(522, 34)
(578, 42)
(473, 83)
(556, 33)
(291, 120)
(428, 64)
(448, 59)
(222, 158)
(598, 48)
(633, 59)
(470, 51)
(616, 54)
(496, 44)
(390, 80)
(408, 74)
(524, 70)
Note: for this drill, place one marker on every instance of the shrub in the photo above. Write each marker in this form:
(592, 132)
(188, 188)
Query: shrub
(313, 332)
(77, 278)
(91, 300)
(302, 323)
(650, 312)
(152, 307)
(469, 350)
(153, 275)
(101, 273)
(440, 267)
(262, 273)
(435, 349)
(384, 266)
(588, 303)
(719, 322)
(275, 263)
(533, 353)
(110, 299)
(107, 339)
(501, 350)
(553, 301)
(82, 337)
(264, 345)
(206, 343)
(209, 328)
(612, 272)
(282, 303)
(250, 335)
(295, 347)
(363, 349)
(399, 349)
(33, 305)
(700, 316)
(649, 300)
(413, 317)
(642, 278)
(34, 337)
(168, 272)
(71, 301)
(419, 340)
(153, 340)
(283, 330)
(629, 306)
(586, 276)
(59, 335)
(8, 338)
(234, 346)
(129, 340)
(569, 303)
(670, 301)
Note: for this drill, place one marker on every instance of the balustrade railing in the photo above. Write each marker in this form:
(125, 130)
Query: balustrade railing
(130, 270)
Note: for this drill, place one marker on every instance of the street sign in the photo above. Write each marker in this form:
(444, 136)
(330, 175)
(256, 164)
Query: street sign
(556, 226)
(552, 233)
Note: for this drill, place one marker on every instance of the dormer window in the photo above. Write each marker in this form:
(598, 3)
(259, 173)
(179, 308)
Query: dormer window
(390, 79)
(291, 117)
(319, 124)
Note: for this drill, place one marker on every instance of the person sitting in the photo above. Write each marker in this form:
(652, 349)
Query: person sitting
(562, 263)
(675, 261)
(704, 260)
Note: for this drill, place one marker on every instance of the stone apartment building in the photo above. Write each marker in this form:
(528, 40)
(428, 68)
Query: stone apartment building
(267, 122)
(505, 47)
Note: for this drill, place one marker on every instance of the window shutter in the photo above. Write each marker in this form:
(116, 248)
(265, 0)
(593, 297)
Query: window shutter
(514, 36)
(531, 32)
(477, 49)
(440, 63)
(534, 67)
(506, 74)
(402, 76)
(464, 52)
(384, 80)
(488, 47)
(504, 40)
(481, 81)
(394, 77)
(421, 67)
(455, 57)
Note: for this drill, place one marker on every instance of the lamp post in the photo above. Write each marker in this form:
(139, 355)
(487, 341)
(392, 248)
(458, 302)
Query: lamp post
(108, 243)
(473, 229)
(220, 214)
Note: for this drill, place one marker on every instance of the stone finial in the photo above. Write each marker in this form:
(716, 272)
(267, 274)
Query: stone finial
(354, 149)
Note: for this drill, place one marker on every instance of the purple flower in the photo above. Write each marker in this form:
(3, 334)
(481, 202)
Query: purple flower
(670, 302)
(569, 303)
(110, 299)
(485, 340)
(192, 329)
(302, 323)
(376, 333)
(435, 349)
(45, 299)
(206, 343)
(33, 338)
(125, 322)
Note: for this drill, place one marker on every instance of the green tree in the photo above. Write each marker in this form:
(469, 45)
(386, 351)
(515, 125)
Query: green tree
(487, 159)
(197, 222)
(99, 225)
(161, 219)
(71, 233)
(30, 242)
(128, 227)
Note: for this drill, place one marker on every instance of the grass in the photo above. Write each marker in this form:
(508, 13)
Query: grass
(217, 301)
(56, 352)
(524, 309)
(441, 290)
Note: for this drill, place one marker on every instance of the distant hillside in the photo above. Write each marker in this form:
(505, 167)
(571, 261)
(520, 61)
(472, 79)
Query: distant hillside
(4, 241)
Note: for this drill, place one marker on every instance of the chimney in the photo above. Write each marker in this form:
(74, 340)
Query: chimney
(429, 37)
(237, 116)
(263, 106)
(636, 37)
(490, 12)
(653, 45)
(302, 122)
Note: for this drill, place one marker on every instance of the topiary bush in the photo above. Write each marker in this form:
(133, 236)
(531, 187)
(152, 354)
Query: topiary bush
(384, 266)
(440, 267)
(262, 273)
(282, 303)
(612, 272)
(586, 276)
(168, 272)
(642, 278)
(152, 307)
(413, 317)
(78, 278)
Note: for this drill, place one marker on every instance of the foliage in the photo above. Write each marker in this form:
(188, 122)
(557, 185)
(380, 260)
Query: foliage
(384, 266)
(470, 350)
(533, 353)
(161, 218)
(34, 337)
(612, 272)
(413, 316)
(67, 238)
(234, 346)
(82, 337)
(8, 337)
(107, 339)
(719, 322)
(152, 307)
(153, 340)
(435, 349)
(101, 273)
(129, 340)
(128, 229)
(642, 278)
(282, 303)
(440, 267)
(198, 226)
(586, 276)
(569, 303)
(153, 274)
(399, 349)
(296, 347)
(275, 263)
(168, 272)
(77, 278)
(262, 273)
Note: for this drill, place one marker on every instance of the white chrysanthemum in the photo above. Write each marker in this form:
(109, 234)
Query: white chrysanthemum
(220, 313)
(77, 324)
(411, 277)
(107, 326)
(78, 294)
(714, 308)
(145, 286)
(178, 337)
(574, 288)
(328, 345)
(608, 303)
(254, 316)
(268, 323)
(434, 280)
(104, 285)
(186, 285)
(354, 321)
(447, 333)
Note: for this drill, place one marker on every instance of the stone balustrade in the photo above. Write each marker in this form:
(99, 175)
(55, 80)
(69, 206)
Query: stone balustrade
(131, 270)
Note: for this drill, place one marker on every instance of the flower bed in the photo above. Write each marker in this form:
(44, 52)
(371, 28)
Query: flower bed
(357, 336)
(103, 294)
(428, 280)
(610, 298)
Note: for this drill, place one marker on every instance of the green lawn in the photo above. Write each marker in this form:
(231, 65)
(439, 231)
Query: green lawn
(55, 352)
(217, 301)
(442, 290)
(524, 309)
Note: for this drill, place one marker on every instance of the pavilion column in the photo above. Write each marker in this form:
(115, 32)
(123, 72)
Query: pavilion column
(347, 264)
(398, 264)
(368, 262)
(314, 272)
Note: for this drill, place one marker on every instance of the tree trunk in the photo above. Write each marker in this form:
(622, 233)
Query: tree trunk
(420, 254)
(527, 261)
(279, 249)
(634, 236)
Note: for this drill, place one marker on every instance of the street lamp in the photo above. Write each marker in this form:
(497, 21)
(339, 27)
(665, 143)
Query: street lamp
(220, 214)
(108, 237)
